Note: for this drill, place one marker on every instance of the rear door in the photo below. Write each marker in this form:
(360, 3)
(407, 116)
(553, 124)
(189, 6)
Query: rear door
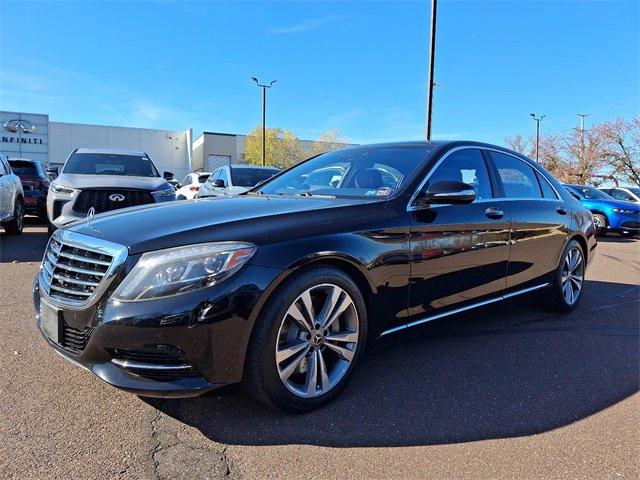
(540, 221)
(459, 252)
(5, 189)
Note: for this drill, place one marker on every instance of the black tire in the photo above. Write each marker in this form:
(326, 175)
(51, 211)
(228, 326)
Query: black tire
(558, 300)
(181, 197)
(600, 222)
(262, 378)
(15, 226)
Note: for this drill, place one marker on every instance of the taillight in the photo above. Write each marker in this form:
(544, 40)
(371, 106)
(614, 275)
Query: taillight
(194, 189)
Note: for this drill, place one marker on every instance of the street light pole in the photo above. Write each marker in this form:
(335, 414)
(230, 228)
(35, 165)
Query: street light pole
(431, 82)
(538, 120)
(264, 116)
(582, 146)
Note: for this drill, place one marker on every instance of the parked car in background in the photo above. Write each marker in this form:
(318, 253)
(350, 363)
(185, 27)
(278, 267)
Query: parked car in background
(35, 184)
(104, 180)
(191, 185)
(626, 194)
(11, 199)
(232, 180)
(609, 214)
(283, 287)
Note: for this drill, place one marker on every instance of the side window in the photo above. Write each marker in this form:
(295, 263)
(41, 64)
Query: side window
(3, 168)
(186, 180)
(214, 176)
(547, 190)
(621, 195)
(224, 176)
(468, 166)
(518, 179)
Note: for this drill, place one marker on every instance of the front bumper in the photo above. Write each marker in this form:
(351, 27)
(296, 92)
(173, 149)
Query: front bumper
(177, 347)
(624, 222)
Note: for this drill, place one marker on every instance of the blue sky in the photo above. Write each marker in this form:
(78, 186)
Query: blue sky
(359, 67)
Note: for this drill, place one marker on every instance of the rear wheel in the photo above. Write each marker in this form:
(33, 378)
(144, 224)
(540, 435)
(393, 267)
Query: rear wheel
(567, 288)
(307, 341)
(600, 222)
(15, 226)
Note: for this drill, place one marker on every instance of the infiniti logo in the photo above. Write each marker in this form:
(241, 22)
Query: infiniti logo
(116, 197)
(25, 126)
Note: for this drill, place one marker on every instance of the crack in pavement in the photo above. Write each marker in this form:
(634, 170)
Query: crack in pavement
(180, 451)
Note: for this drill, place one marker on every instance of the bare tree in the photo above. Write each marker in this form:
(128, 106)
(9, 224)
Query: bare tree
(519, 144)
(620, 148)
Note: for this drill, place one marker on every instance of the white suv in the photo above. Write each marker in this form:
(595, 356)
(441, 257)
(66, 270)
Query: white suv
(11, 199)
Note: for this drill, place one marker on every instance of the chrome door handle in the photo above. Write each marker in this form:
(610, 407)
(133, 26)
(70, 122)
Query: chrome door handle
(492, 212)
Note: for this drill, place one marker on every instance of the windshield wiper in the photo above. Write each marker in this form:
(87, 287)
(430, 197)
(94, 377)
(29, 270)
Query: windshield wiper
(309, 194)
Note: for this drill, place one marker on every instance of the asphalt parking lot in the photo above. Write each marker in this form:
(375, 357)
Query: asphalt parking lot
(507, 392)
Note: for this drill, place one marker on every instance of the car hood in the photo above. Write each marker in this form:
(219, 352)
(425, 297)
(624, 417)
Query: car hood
(81, 181)
(256, 219)
(613, 204)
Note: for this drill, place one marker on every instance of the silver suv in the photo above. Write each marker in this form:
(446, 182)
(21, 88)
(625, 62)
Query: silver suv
(11, 199)
(104, 180)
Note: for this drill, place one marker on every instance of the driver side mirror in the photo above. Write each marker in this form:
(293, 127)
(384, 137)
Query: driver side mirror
(52, 172)
(218, 183)
(445, 192)
(168, 175)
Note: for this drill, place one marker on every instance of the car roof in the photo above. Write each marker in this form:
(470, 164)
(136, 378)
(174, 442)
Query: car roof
(22, 159)
(246, 165)
(112, 151)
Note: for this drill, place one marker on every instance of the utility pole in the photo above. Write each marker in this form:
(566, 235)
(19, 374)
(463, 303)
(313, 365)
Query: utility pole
(264, 116)
(538, 120)
(582, 146)
(432, 58)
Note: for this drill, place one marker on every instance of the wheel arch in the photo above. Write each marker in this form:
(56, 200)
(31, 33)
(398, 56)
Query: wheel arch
(350, 265)
(581, 239)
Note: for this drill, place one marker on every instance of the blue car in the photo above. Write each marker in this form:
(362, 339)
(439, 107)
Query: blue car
(609, 214)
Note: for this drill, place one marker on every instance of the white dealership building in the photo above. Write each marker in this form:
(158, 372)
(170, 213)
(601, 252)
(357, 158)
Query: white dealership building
(33, 135)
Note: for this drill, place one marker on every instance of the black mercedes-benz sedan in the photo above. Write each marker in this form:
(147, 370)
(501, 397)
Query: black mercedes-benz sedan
(283, 286)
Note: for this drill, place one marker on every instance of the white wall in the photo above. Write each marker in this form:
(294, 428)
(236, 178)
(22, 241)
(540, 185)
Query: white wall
(168, 149)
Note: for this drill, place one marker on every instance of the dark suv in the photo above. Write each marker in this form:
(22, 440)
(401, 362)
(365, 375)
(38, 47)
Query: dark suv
(35, 183)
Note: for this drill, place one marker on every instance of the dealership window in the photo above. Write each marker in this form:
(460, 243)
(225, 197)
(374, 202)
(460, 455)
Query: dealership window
(468, 166)
(518, 179)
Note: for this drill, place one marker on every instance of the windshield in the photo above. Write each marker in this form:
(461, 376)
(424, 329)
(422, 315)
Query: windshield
(110, 164)
(21, 167)
(352, 172)
(591, 193)
(250, 177)
(203, 178)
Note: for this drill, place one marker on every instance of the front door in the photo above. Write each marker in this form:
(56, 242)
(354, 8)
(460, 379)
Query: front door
(459, 252)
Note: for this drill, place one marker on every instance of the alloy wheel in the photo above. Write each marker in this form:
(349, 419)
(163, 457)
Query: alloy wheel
(572, 275)
(317, 340)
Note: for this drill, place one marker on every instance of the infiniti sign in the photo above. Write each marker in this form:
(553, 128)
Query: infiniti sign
(116, 197)
(25, 126)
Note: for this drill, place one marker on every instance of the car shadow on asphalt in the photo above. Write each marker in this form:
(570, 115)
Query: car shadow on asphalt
(617, 239)
(28, 246)
(505, 371)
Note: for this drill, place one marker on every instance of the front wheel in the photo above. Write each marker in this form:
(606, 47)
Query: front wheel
(600, 222)
(567, 288)
(307, 341)
(15, 226)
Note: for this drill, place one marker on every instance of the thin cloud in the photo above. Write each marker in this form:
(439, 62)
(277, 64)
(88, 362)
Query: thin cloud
(306, 25)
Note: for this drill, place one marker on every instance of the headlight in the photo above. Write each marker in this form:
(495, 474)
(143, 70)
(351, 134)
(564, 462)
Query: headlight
(61, 189)
(623, 210)
(167, 191)
(183, 269)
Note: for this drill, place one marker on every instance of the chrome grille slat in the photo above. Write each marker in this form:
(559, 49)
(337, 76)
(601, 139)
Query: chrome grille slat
(76, 268)
(68, 291)
(79, 258)
(85, 283)
(85, 271)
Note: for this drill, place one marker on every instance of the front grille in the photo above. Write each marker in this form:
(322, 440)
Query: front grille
(631, 224)
(71, 273)
(74, 339)
(100, 200)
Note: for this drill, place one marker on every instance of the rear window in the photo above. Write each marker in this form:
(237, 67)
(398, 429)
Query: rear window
(250, 177)
(203, 178)
(110, 164)
(20, 167)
